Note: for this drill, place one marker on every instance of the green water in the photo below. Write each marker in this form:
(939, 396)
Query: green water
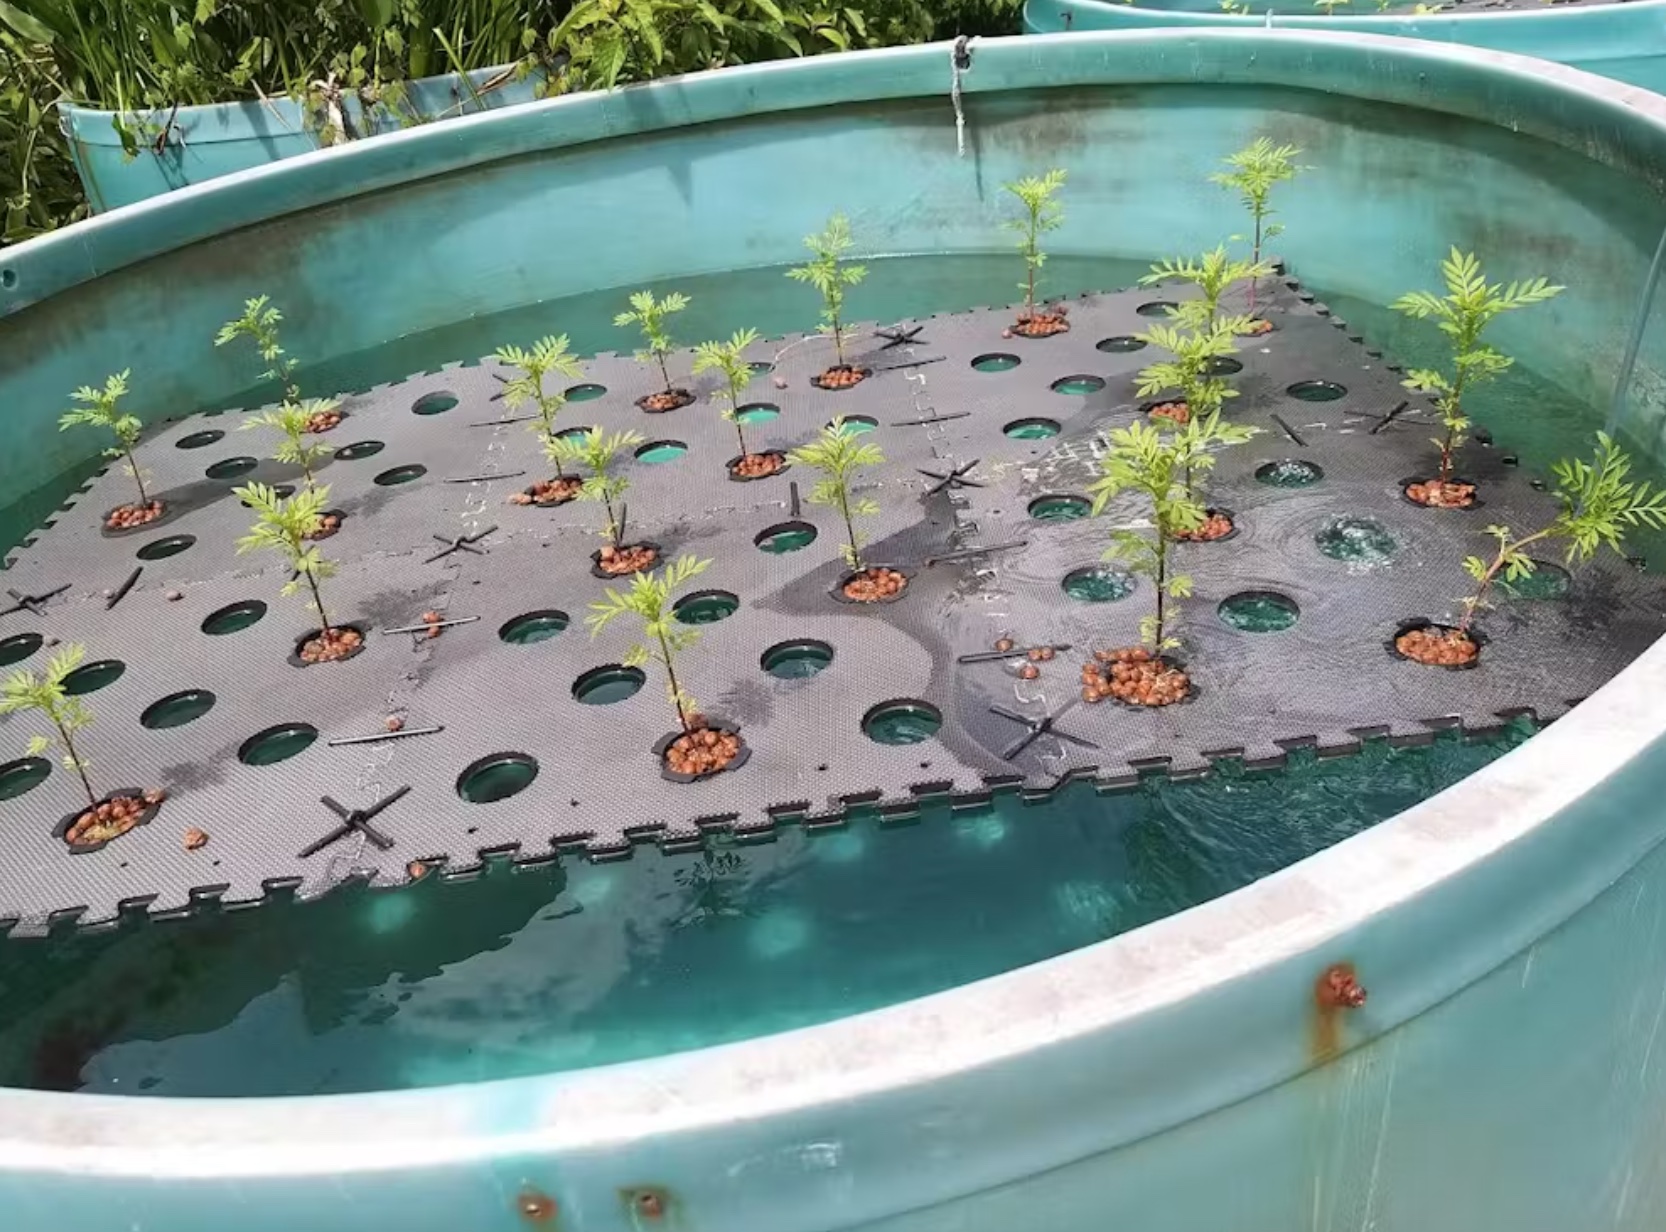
(580, 965)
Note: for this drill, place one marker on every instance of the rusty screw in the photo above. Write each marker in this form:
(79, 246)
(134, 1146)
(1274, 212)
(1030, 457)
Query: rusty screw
(535, 1206)
(1339, 989)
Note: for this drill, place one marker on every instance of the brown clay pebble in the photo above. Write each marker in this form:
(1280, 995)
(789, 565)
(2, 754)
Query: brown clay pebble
(1004, 645)
(1175, 412)
(1438, 495)
(394, 723)
(1029, 672)
(757, 465)
(548, 492)
(1135, 676)
(106, 821)
(702, 751)
(1215, 526)
(129, 516)
(330, 646)
(871, 585)
(173, 596)
(416, 870)
(155, 795)
(841, 377)
(632, 559)
(665, 400)
(1256, 328)
(195, 838)
(779, 382)
(431, 618)
(1041, 324)
(1438, 647)
(324, 421)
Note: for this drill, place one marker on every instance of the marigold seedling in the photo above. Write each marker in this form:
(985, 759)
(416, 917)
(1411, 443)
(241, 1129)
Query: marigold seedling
(1039, 197)
(650, 315)
(1598, 502)
(729, 360)
(597, 451)
(831, 277)
(1253, 172)
(259, 323)
(649, 600)
(98, 408)
(548, 356)
(293, 421)
(838, 454)
(1191, 370)
(1211, 274)
(283, 526)
(23, 691)
(1470, 304)
(1145, 460)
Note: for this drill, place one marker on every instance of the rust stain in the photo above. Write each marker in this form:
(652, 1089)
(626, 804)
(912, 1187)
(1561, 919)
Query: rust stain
(536, 1206)
(1335, 992)
(646, 1202)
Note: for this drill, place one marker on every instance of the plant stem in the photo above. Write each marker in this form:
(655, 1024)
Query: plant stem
(734, 401)
(838, 340)
(850, 529)
(660, 355)
(75, 758)
(671, 675)
(133, 465)
(1473, 604)
(318, 602)
(1162, 582)
(612, 522)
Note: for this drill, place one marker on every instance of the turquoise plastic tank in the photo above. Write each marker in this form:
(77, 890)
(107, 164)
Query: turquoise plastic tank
(1506, 1072)
(205, 142)
(1625, 41)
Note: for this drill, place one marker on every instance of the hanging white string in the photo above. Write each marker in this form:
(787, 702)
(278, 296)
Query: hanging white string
(960, 58)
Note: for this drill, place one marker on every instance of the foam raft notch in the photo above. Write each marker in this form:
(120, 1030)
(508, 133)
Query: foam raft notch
(593, 785)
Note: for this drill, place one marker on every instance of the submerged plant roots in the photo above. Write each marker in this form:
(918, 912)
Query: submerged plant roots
(840, 376)
(1215, 526)
(324, 421)
(1041, 324)
(1176, 411)
(665, 400)
(129, 516)
(331, 645)
(702, 751)
(872, 585)
(1133, 675)
(110, 819)
(758, 465)
(1438, 647)
(1438, 495)
(632, 559)
(547, 493)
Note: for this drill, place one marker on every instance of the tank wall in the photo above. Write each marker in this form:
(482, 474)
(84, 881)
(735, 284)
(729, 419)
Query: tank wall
(1392, 187)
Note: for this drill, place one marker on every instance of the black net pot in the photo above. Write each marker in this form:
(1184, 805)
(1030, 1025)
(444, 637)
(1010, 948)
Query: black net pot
(838, 589)
(1193, 692)
(1230, 535)
(1475, 501)
(664, 743)
(819, 380)
(169, 513)
(121, 793)
(683, 398)
(295, 659)
(554, 502)
(596, 569)
(1419, 622)
(758, 453)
